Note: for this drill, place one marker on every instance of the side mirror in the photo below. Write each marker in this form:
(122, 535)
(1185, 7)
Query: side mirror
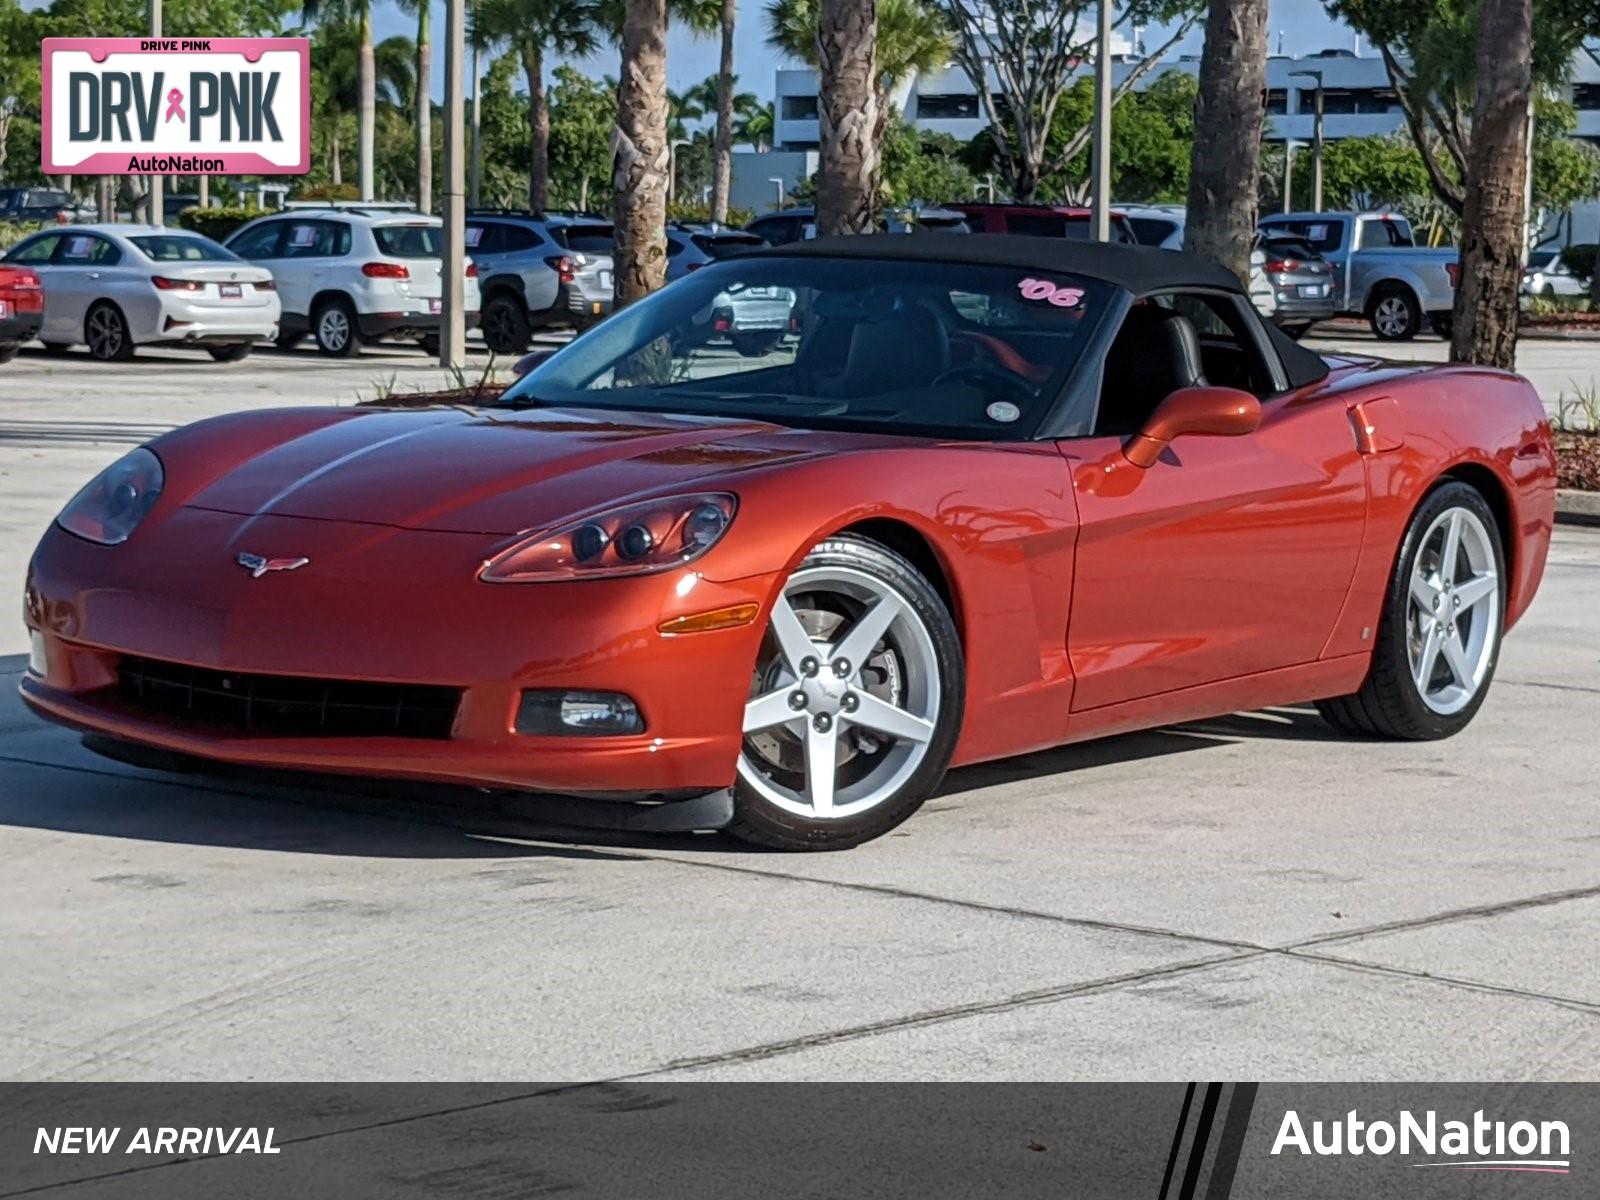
(529, 361)
(1209, 411)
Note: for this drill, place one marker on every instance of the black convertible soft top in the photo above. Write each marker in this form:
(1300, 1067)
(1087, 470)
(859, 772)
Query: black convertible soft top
(1138, 269)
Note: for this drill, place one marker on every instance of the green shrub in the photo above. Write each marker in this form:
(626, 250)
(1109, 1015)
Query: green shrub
(700, 214)
(218, 223)
(12, 232)
(329, 191)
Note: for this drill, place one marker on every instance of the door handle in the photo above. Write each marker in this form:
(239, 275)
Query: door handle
(94, 274)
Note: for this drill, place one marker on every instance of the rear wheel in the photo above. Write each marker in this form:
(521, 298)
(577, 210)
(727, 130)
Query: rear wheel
(430, 344)
(505, 324)
(1394, 314)
(230, 354)
(855, 702)
(7, 353)
(1439, 636)
(106, 331)
(333, 324)
(1443, 325)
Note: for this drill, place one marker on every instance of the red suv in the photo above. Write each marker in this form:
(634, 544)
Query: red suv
(1041, 220)
(21, 308)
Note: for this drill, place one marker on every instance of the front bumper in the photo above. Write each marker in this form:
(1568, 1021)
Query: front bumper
(184, 600)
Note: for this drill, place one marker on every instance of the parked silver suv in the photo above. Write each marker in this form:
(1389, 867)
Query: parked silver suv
(531, 279)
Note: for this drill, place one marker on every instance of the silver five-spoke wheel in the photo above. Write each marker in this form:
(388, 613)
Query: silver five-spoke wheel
(845, 699)
(1453, 611)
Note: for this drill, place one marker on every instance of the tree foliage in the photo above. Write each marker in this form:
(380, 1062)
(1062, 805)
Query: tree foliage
(922, 167)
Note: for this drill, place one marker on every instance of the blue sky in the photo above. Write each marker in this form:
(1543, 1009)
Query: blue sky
(1304, 24)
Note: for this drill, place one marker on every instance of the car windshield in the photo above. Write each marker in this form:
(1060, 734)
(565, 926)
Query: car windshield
(927, 348)
(1541, 260)
(409, 241)
(177, 248)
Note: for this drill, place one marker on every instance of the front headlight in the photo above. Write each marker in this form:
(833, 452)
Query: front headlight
(631, 540)
(116, 500)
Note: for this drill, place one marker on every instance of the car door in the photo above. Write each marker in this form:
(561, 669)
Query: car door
(1228, 557)
(36, 253)
(81, 272)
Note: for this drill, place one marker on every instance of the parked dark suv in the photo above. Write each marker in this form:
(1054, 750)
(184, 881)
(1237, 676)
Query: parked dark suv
(1041, 220)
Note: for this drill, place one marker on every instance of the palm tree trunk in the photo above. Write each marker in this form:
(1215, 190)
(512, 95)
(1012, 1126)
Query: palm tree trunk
(1228, 116)
(639, 152)
(847, 110)
(424, 109)
(368, 112)
(475, 187)
(1494, 219)
(722, 152)
(538, 129)
(337, 164)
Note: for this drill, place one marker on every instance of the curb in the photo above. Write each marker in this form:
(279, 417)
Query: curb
(1574, 507)
(1560, 335)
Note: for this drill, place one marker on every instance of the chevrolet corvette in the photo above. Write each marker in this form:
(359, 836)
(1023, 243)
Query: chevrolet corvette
(983, 496)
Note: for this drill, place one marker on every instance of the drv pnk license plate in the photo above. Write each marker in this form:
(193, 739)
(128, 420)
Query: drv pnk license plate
(231, 291)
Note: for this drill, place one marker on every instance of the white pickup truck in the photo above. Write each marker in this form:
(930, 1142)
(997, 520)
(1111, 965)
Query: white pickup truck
(1379, 271)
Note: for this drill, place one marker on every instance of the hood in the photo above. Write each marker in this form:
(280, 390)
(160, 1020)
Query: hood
(500, 473)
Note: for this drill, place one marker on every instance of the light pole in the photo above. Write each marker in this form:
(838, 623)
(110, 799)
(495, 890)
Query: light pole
(1289, 147)
(1316, 137)
(1101, 153)
(155, 209)
(452, 319)
(777, 181)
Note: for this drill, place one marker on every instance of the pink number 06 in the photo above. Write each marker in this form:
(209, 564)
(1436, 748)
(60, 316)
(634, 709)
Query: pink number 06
(1043, 289)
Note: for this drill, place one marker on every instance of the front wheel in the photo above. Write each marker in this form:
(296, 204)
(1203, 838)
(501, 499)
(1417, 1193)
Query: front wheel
(1439, 635)
(855, 702)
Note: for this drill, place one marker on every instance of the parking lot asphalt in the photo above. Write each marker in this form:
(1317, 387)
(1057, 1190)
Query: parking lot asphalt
(1250, 897)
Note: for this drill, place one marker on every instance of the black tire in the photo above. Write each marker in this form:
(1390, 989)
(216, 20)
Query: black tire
(754, 345)
(1388, 704)
(56, 349)
(1443, 325)
(505, 324)
(7, 353)
(230, 354)
(1393, 313)
(288, 341)
(105, 330)
(1296, 332)
(327, 332)
(759, 821)
(430, 345)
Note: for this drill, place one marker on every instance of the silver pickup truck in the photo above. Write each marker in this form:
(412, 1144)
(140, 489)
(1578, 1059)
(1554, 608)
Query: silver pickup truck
(1379, 270)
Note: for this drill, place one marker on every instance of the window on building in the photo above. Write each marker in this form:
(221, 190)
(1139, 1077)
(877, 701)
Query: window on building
(799, 108)
(948, 106)
(1586, 96)
(1350, 101)
(1277, 101)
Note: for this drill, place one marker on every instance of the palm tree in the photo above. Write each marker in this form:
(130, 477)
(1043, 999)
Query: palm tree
(335, 66)
(640, 153)
(913, 38)
(357, 13)
(531, 28)
(758, 123)
(422, 9)
(848, 116)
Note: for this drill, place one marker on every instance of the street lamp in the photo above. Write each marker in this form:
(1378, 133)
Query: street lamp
(778, 181)
(1316, 137)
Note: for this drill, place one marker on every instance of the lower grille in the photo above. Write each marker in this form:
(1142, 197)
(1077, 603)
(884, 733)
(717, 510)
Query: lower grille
(287, 705)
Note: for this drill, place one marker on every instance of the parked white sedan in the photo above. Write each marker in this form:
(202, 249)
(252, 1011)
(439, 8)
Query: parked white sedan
(115, 287)
(1548, 275)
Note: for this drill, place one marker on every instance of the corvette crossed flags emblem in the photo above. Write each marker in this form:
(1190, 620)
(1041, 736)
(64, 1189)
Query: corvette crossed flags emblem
(258, 566)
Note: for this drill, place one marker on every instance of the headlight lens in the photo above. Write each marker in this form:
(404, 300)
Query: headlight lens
(110, 508)
(631, 540)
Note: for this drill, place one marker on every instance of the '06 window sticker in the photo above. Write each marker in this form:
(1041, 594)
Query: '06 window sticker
(1044, 291)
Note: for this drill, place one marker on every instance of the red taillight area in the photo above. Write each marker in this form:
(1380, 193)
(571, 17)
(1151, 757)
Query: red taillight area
(164, 284)
(472, 270)
(385, 270)
(266, 285)
(1454, 271)
(563, 266)
(1279, 265)
(18, 279)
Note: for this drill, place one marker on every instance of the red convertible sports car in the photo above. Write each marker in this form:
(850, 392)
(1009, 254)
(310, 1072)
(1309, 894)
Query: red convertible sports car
(985, 495)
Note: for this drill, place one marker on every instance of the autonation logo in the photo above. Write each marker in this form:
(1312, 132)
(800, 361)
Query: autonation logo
(1476, 1145)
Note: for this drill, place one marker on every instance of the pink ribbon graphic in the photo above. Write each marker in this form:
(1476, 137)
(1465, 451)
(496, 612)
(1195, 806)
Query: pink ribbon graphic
(175, 105)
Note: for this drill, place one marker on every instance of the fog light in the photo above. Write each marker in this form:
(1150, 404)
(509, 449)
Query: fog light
(36, 660)
(566, 714)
